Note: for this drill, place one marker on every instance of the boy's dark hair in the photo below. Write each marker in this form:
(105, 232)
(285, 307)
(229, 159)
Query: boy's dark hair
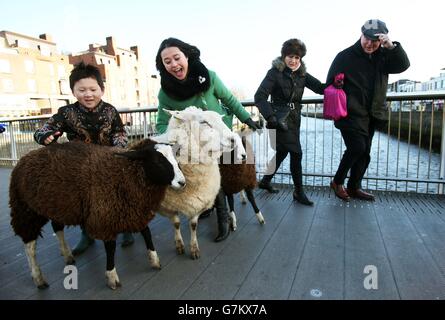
(82, 71)
(293, 46)
(191, 52)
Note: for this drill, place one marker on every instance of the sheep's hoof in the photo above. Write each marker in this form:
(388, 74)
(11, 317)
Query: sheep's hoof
(232, 221)
(112, 279)
(43, 286)
(70, 261)
(113, 286)
(153, 259)
(40, 282)
(260, 218)
(195, 255)
(180, 249)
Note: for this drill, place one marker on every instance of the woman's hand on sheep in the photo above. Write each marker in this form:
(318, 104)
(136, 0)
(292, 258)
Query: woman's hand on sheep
(51, 138)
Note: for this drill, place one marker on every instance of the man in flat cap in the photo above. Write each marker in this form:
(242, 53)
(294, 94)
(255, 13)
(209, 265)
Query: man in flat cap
(366, 66)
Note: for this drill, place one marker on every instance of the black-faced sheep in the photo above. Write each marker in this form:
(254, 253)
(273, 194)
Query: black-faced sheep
(236, 177)
(201, 137)
(104, 189)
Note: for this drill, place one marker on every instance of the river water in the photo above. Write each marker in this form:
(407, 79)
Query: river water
(323, 147)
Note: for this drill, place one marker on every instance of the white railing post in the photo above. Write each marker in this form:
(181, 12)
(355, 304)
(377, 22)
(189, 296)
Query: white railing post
(442, 154)
(14, 156)
(144, 123)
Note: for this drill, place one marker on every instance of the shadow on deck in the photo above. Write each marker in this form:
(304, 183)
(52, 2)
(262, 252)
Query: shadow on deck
(301, 252)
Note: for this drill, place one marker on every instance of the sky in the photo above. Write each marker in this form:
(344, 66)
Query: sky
(238, 39)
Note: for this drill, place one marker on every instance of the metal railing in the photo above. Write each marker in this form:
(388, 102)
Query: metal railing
(408, 156)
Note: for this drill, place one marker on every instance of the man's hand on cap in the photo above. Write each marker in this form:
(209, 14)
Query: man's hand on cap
(386, 42)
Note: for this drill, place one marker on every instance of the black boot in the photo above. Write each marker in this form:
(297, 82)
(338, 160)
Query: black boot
(301, 197)
(266, 185)
(206, 214)
(127, 239)
(83, 244)
(222, 215)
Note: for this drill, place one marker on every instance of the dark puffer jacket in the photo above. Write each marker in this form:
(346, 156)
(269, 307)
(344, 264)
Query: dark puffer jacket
(366, 82)
(285, 86)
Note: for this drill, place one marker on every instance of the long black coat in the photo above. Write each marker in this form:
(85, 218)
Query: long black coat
(285, 86)
(366, 82)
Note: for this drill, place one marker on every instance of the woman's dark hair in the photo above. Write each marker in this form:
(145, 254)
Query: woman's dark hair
(293, 46)
(191, 52)
(82, 71)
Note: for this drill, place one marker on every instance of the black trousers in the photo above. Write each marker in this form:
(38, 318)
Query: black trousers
(355, 158)
(295, 166)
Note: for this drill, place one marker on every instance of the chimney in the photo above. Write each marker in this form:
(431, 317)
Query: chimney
(92, 47)
(46, 37)
(135, 49)
(111, 48)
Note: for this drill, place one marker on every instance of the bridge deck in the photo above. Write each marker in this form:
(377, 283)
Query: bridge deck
(301, 252)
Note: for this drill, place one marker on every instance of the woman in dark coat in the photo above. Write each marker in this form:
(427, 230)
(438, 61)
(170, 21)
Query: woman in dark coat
(285, 83)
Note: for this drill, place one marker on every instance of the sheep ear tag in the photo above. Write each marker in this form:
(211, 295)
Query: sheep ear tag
(173, 113)
(178, 116)
(201, 79)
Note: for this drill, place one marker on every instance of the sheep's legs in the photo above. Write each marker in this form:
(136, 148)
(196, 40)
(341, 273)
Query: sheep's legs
(242, 196)
(36, 273)
(64, 248)
(111, 274)
(194, 248)
(179, 242)
(153, 258)
(251, 197)
(232, 216)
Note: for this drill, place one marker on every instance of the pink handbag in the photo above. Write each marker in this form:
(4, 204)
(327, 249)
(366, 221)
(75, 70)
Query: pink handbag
(335, 100)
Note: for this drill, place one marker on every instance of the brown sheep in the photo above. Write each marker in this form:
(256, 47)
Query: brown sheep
(104, 189)
(238, 177)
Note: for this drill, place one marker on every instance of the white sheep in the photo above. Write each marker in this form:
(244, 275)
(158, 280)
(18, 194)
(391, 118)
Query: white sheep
(201, 137)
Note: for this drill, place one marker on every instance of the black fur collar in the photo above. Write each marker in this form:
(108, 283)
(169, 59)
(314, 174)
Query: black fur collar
(197, 81)
(279, 64)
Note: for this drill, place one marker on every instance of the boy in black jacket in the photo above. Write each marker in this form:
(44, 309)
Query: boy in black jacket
(90, 120)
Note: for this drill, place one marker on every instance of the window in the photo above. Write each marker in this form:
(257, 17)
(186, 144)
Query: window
(29, 66)
(5, 66)
(8, 85)
(22, 43)
(45, 51)
(64, 87)
(61, 72)
(53, 87)
(32, 85)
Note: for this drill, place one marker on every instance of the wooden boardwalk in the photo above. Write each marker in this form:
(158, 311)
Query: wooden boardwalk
(301, 252)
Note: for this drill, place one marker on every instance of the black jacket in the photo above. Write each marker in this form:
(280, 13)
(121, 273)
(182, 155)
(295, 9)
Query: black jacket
(366, 82)
(284, 86)
(102, 125)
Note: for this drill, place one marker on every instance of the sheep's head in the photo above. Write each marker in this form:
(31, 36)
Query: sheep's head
(202, 136)
(159, 163)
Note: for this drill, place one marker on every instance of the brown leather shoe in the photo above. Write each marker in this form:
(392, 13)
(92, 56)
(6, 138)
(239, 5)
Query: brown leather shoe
(360, 194)
(340, 191)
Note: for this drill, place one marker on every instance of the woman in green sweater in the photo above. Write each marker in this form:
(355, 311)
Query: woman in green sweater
(186, 82)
